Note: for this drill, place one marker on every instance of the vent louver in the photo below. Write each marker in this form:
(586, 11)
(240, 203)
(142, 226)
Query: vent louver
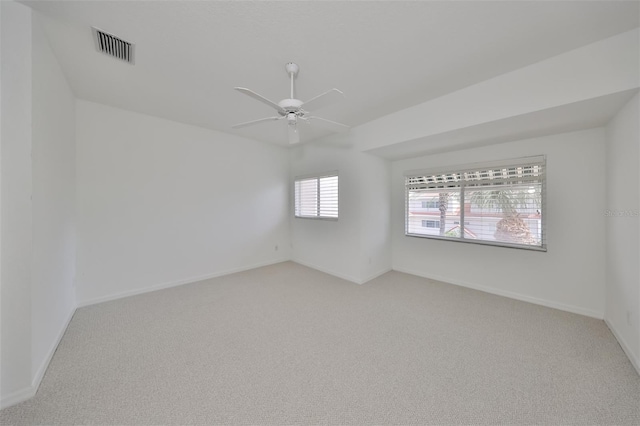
(113, 46)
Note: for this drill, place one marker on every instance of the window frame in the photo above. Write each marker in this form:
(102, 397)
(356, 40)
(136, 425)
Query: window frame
(461, 184)
(317, 177)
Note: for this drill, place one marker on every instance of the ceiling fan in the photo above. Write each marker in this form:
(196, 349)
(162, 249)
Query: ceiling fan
(294, 110)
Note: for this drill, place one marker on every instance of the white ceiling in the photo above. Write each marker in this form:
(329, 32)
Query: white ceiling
(384, 55)
(587, 114)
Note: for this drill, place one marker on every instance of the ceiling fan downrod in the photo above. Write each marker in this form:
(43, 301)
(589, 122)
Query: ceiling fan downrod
(292, 70)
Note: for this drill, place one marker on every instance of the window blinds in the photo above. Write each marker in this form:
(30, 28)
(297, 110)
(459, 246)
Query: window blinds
(316, 197)
(530, 170)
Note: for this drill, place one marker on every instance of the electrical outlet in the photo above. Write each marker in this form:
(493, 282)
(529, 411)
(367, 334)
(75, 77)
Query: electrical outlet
(629, 318)
(276, 249)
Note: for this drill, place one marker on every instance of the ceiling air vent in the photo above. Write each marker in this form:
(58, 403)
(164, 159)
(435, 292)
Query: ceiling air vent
(113, 46)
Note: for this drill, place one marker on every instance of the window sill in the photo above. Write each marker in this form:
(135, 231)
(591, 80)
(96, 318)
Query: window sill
(332, 219)
(480, 242)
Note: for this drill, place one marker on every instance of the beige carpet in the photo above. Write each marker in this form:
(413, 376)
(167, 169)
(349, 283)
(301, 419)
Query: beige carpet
(285, 344)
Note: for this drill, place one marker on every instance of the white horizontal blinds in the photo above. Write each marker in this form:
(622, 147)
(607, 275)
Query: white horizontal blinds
(484, 176)
(328, 196)
(499, 204)
(306, 197)
(316, 197)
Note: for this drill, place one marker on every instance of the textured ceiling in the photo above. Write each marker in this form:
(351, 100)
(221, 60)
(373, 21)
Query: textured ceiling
(385, 56)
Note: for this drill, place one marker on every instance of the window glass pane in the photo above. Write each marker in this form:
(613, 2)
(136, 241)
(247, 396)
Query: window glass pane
(423, 219)
(509, 214)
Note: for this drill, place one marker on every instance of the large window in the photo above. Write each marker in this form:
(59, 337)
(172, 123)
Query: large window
(499, 204)
(316, 197)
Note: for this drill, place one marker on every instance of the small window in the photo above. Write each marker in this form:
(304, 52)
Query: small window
(502, 203)
(431, 224)
(430, 204)
(316, 197)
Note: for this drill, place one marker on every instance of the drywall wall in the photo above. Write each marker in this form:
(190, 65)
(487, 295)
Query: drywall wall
(53, 166)
(620, 215)
(331, 246)
(356, 246)
(161, 203)
(374, 179)
(37, 194)
(15, 226)
(570, 275)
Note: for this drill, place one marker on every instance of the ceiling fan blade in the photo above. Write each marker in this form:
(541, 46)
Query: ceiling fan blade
(323, 99)
(261, 98)
(294, 135)
(251, 123)
(339, 127)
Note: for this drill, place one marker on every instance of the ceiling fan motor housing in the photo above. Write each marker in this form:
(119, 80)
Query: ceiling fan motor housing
(290, 105)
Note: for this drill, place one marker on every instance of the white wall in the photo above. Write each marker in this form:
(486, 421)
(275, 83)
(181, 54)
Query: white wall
(622, 311)
(161, 203)
(328, 245)
(570, 275)
(356, 246)
(54, 251)
(37, 194)
(15, 226)
(374, 179)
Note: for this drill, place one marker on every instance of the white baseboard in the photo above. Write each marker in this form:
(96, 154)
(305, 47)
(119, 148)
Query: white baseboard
(512, 295)
(17, 397)
(625, 347)
(340, 275)
(327, 271)
(161, 286)
(375, 275)
(45, 364)
(28, 393)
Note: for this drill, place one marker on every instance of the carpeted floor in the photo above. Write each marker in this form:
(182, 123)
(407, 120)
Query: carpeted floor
(286, 344)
